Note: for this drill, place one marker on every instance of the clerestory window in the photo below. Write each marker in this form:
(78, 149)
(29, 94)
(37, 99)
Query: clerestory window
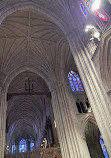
(22, 146)
(75, 82)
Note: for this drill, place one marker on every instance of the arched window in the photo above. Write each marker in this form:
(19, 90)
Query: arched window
(13, 148)
(31, 144)
(103, 147)
(75, 82)
(22, 146)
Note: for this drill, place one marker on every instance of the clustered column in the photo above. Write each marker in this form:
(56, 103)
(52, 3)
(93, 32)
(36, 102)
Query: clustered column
(68, 133)
(93, 87)
(3, 106)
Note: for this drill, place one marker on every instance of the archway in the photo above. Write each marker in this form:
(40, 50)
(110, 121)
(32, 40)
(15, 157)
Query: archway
(36, 58)
(92, 135)
(31, 43)
(29, 106)
(56, 12)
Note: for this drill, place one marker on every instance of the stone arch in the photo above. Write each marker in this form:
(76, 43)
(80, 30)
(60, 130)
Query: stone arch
(11, 76)
(88, 118)
(38, 6)
(13, 73)
(92, 135)
(16, 72)
(18, 124)
(57, 21)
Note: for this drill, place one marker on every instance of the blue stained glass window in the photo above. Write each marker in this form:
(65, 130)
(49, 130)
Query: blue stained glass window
(13, 148)
(75, 82)
(22, 146)
(31, 144)
(103, 147)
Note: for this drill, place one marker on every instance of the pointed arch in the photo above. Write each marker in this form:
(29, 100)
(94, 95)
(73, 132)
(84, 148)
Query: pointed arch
(22, 145)
(75, 82)
(92, 135)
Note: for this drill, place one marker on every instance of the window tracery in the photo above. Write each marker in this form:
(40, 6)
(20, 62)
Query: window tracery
(22, 146)
(75, 82)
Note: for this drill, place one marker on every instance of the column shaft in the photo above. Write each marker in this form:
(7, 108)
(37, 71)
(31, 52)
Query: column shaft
(3, 106)
(68, 133)
(93, 86)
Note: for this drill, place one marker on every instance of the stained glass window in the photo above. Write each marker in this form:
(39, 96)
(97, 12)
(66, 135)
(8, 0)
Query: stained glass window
(13, 148)
(31, 144)
(22, 146)
(75, 82)
(103, 147)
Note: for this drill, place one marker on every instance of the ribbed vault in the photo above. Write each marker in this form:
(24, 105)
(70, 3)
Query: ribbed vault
(30, 40)
(26, 114)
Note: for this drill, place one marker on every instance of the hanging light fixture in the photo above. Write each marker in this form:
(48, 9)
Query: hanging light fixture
(29, 85)
(95, 33)
(95, 5)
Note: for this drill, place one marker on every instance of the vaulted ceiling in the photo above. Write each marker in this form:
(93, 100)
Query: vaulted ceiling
(26, 114)
(29, 39)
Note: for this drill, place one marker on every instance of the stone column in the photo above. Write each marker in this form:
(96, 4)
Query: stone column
(3, 106)
(93, 86)
(71, 143)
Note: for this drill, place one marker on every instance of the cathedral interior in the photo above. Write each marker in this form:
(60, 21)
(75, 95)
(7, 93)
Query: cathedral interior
(55, 79)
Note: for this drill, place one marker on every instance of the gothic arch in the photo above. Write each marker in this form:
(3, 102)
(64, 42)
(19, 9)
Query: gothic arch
(64, 25)
(13, 71)
(16, 72)
(32, 68)
(92, 136)
(44, 9)
(31, 111)
(88, 118)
